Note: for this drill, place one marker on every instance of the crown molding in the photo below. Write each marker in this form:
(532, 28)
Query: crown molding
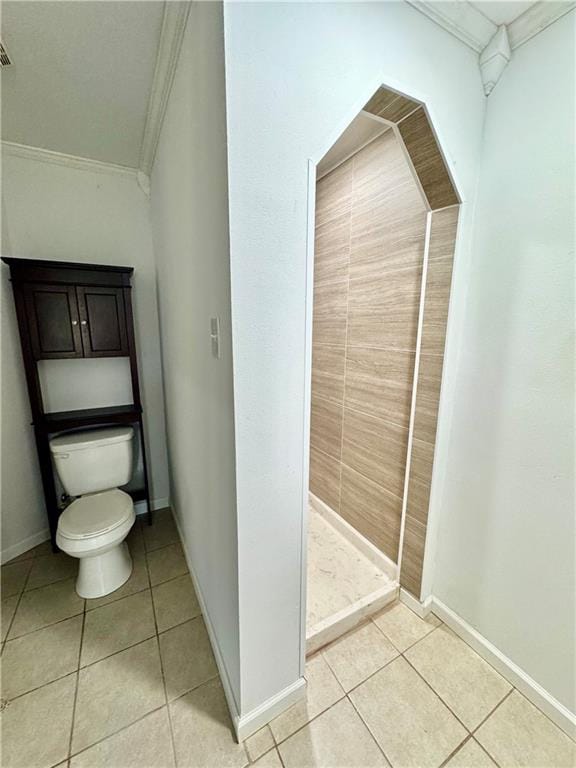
(461, 19)
(69, 161)
(173, 26)
(469, 25)
(537, 18)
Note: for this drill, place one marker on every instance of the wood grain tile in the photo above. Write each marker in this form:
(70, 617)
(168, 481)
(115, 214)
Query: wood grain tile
(329, 314)
(379, 382)
(375, 448)
(390, 105)
(428, 397)
(427, 160)
(326, 427)
(371, 510)
(325, 478)
(413, 556)
(328, 372)
(421, 462)
(383, 329)
(334, 194)
(332, 251)
(388, 241)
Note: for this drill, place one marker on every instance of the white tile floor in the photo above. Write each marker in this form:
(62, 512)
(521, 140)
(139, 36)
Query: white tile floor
(130, 681)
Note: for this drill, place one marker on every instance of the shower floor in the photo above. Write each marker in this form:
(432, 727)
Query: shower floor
(344, 585)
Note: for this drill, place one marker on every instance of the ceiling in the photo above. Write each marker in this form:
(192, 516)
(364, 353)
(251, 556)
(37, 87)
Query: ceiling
(361, 130)
(502, 11)
(81, 76)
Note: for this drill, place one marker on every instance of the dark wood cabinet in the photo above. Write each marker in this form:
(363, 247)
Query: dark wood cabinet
(70, 310)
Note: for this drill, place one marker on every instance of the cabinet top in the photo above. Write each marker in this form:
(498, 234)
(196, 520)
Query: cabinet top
(31, 263)
(67, 272)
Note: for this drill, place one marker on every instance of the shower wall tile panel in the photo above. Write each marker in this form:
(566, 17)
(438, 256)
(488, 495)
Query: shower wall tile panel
(436, 301)
(370, 227)
(427, 159)
(390, 105)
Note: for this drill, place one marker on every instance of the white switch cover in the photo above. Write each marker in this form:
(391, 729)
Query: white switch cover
(215, 336)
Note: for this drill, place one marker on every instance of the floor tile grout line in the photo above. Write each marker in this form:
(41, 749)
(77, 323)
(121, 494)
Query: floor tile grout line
(16, 609)
(365, 724)
(456, 750)
(74, 703)
(312, 719)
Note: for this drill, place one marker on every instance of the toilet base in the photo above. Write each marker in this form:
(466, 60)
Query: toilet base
(104, 573)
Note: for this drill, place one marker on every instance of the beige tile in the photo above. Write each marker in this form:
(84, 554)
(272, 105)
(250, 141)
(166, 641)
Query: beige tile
(464, 681)
(8, 608)
(166, 563)
(325, 478)
(202, 730)
(142, 745)
(162, 532)
(379, 382)
(51, 568)
(45, 606)
(407, 719)
(28, 555)
(402, 627)
(13, 577)
(137, 582)
(334, 195)
(338, 738)
(381, 328)
(372, 510)
(390, 105)
(323, 690)
(260, 743)
(428, 397)
(443, 233)
(135, 538)
(116, 692)
(117, 626)
(471, 755)
(427, 160)
(175, 602)
(332, 250)
(40, 657)
(329, 314)
(380, 101)
(413, 555)
(359, 654)
(328, 372)
(36, 727)
(269, 760)
(392, 236)
(187, 658)
(326, 426)
(376, 449)
(517, 734)
(421, 462)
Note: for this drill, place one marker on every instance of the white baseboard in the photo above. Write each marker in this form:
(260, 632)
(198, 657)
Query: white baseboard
(141, 508)
(259, 717)
(380, 560)
(245, 725)
(533, 691)
(23, 546)
(420, 609)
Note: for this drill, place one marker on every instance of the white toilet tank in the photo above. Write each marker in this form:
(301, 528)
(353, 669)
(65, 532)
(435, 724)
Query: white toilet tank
(93, 460)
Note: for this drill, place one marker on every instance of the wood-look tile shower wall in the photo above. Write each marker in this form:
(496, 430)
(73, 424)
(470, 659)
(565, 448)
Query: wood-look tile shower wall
(370, 233)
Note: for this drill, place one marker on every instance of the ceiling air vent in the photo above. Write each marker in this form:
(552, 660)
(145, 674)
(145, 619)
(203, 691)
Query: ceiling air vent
(5, 60)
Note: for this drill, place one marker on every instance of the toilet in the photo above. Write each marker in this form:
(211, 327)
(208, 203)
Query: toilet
(91, 465)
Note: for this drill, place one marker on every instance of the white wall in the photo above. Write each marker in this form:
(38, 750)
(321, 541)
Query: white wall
(64, 213)
(190, 224)
(506, 547)
(297, 73)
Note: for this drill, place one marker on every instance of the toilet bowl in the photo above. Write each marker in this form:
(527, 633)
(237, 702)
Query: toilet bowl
(91, 464)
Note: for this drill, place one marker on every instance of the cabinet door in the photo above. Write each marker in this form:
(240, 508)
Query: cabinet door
(52, 313)
(102, 321)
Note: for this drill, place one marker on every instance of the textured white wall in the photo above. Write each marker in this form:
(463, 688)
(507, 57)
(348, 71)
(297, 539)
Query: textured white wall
(190, 225)
(297, 73)
(67, 214)
(506, 546)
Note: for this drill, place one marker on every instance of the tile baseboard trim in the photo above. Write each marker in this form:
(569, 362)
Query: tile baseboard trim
(421, 609)
(141, 508)
(250, 723)
(378, 558)
(23, 546)
(534, 692)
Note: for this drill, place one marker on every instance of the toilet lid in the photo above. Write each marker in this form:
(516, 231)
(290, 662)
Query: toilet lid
(95, 514)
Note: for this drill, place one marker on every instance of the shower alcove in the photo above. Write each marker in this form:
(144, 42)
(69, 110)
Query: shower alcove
(385, 230)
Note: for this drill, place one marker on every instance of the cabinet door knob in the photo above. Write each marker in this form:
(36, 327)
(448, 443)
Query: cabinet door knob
(74, 322)
(84, 322)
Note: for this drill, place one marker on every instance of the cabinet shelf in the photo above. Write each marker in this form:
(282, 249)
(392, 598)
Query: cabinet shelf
(115, 414)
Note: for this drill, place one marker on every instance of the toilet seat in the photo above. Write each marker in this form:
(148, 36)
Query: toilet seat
(95, 515)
